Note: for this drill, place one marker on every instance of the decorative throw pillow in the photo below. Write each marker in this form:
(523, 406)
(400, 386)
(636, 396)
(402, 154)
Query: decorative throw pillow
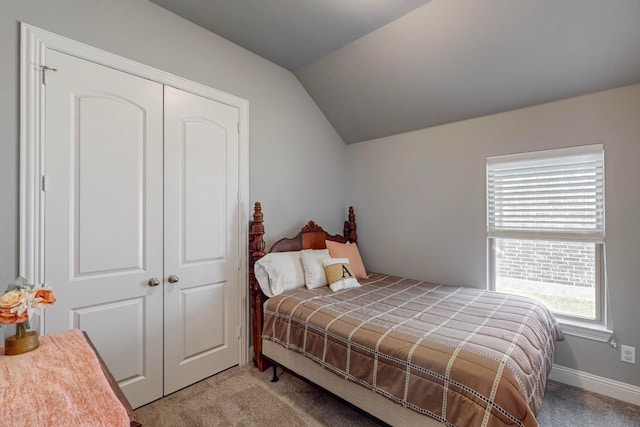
(339, 274)
(283, 272)
(314, 276)
(349, 250)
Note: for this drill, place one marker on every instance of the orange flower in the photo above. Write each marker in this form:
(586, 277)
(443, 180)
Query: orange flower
(7, 317)
(46, 295)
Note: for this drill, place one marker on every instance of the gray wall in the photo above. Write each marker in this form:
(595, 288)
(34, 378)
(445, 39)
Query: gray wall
(297, 159)
(420, 203)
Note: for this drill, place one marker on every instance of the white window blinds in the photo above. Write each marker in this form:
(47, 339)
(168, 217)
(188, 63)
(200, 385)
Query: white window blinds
(558, 193)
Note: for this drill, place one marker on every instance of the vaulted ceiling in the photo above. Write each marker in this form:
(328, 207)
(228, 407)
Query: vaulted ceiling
(382, 67)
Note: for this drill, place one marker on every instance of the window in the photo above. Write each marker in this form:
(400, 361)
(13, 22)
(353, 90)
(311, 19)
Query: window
(545, 227)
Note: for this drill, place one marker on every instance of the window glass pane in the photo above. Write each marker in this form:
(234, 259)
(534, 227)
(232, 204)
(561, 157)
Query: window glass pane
(560, 274)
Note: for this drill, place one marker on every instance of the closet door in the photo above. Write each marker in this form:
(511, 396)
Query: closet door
(103, 216)
(201, 314)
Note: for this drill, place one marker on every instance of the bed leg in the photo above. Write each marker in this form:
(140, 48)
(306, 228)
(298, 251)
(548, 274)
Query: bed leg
(275, 374)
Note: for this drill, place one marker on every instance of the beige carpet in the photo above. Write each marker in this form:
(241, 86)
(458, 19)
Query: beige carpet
(243, 396)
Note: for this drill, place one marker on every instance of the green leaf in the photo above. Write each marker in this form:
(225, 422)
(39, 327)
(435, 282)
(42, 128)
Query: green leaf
(19, 283)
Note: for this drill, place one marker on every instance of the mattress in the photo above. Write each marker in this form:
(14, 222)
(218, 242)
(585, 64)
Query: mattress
(460, 355)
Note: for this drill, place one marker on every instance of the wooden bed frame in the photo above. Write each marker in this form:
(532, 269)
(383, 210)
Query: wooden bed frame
(311, 236)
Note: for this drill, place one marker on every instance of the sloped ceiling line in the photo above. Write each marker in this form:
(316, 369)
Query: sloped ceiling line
(382, 71)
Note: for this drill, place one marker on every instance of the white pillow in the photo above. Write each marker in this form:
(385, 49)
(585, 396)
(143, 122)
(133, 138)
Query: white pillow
(314, 276)
(281, 271)
(263, 279)
(339, 274)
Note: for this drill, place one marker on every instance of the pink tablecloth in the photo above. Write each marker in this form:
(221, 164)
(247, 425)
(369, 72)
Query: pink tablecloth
(61, 383)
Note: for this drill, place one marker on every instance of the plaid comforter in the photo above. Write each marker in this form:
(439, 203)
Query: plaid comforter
(464, 356)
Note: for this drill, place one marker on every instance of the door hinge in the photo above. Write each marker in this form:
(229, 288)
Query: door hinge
(239, 331)
(43, 183)
(44, 69)
(238, 127)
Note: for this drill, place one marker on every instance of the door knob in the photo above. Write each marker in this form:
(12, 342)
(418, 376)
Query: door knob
(173, 278)
(153, 281)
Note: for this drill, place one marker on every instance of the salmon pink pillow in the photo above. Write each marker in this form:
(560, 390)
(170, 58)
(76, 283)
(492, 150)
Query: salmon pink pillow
(349, 250)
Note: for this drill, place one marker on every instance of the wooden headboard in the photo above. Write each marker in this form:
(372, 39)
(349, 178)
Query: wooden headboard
(311, 236)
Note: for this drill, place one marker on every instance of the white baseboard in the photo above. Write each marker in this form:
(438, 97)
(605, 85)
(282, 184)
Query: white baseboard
(593, 383)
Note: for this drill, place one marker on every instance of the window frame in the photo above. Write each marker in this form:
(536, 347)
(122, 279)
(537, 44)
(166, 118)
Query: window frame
(598, 328)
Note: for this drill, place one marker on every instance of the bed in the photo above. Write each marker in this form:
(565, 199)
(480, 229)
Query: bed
(406, 351)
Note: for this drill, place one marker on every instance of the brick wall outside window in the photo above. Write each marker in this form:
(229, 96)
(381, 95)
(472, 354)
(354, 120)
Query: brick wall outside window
(565, 263)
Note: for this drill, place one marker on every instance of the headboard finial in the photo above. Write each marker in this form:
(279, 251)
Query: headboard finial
(257, 212)
(349, 231)
(256, 232)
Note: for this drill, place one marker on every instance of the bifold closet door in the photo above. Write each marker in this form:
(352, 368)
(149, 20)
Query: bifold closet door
(141, 225)
(201, 310)
(103, 225)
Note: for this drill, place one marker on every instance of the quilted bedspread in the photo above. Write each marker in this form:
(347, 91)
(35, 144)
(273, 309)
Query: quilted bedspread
(463, 356)
(61, 383)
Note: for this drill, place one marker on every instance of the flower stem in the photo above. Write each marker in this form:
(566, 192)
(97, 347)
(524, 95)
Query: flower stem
(21, 330)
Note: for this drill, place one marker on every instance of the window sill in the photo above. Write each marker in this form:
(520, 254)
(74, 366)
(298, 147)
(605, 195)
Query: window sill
(585, 330)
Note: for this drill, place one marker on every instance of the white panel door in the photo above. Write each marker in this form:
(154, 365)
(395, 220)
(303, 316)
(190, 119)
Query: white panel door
(103, 216)
(201, 314)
